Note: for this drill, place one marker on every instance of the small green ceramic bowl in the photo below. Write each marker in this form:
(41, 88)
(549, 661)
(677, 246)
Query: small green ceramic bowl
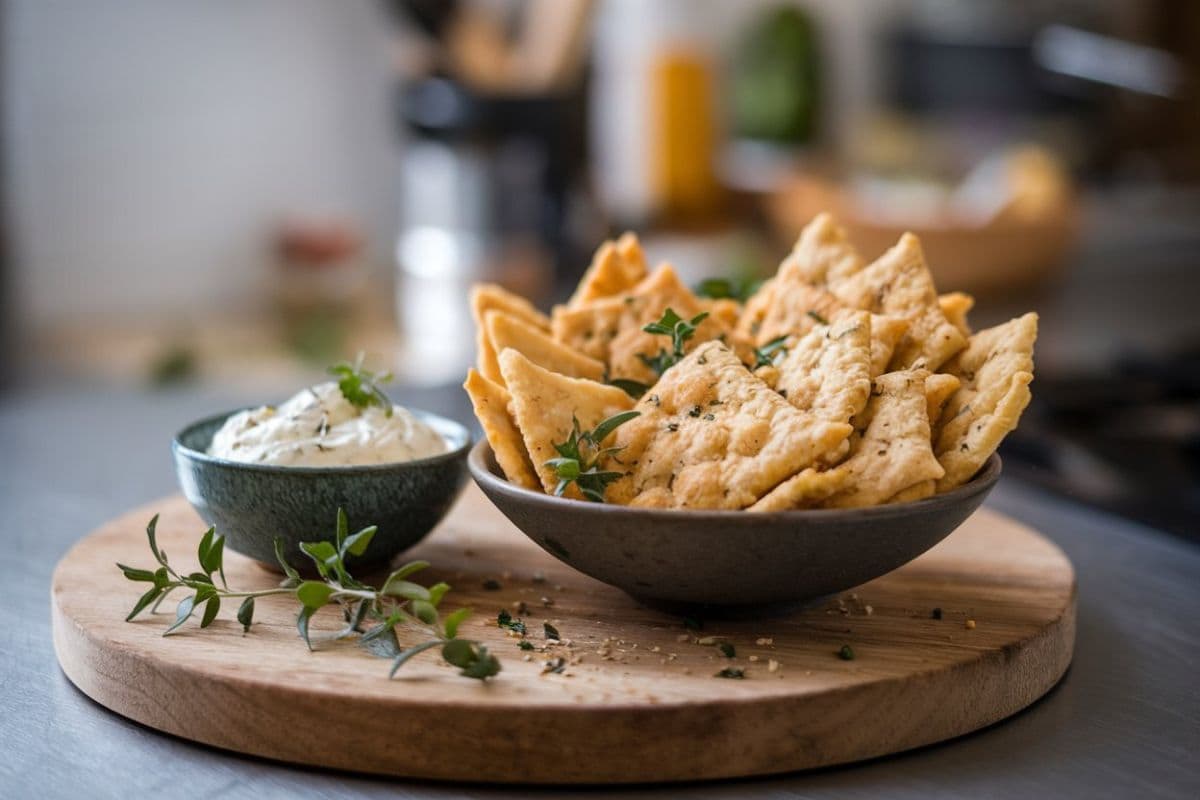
(251, 504)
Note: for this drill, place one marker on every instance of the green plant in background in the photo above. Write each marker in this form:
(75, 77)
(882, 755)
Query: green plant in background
(776, 79)
(397, 602)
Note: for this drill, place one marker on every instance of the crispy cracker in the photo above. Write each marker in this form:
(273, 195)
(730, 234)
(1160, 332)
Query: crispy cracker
(544, 403)
(804, 490)
(956, 306)
(918, 491)
(795, 309)
(491, 402)
(711, 435)
(505, 330)
(996, 370)
(827, 372)
(487, 297)
(750, 319)
(899, 283)
(610, 329)
(938, 388)
(616, 267)
(822, 255)
(893, 452)
(886, 332)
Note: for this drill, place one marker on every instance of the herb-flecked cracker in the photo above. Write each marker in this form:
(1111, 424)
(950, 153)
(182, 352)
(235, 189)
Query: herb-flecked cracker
(544, 404)
(505, 330)
(491, 402)
(616, 267)
(886, 332)
(803, 490)
(822, 255)
(956, 306)
(712, 435)
(939, 387)
(487, 297)
(610, 329)
(827, 372)
(899, 283)
(996, 370)
(893, 451)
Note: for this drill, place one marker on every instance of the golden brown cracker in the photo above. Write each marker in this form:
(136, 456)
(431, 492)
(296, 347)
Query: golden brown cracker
(544, 404)
(899, 283)
(918, 491)
(827, 372)
(616, 267)
(804, 490)
(996, 369)
(487, 297)
(956, 306)
(794, 310)
(505, 330)
(711, 435)
(939, 386)
(822, 255)
(886, 332)
(491, 403)
(893, 452)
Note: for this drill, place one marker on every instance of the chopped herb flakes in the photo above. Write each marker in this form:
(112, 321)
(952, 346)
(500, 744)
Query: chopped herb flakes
(505, 620)
(735, 673)
(551, 631)
(727, 650)
(846, 653)
(525, 644)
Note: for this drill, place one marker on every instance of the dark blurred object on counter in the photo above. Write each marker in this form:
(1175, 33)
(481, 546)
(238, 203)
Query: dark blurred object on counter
(494, 128)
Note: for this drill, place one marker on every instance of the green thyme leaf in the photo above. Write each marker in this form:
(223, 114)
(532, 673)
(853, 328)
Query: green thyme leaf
(767, 355)
(680, 331)
(727, 650)
(211, 608)
(245, 614)
(182, 612)
(506, 620)
(634, 389)
(721, 288)
(580, 454)
(314, 593)
(410, 652)
(453, 620)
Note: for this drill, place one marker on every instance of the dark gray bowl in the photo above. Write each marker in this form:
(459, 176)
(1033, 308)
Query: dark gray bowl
(251, 504)
(730, 558)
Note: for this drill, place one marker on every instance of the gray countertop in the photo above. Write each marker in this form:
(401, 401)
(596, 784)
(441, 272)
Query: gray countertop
(1124, 722)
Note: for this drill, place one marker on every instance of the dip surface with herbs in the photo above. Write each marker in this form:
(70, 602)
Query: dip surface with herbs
(321, 427)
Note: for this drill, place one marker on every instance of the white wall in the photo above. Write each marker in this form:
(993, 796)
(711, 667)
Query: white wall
(153, 144)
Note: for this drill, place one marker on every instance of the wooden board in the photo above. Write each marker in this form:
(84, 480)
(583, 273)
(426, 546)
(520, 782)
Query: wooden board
(640, 703)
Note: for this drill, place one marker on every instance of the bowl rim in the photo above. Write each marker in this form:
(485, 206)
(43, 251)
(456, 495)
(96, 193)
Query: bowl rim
(481, 460)
(457, 429)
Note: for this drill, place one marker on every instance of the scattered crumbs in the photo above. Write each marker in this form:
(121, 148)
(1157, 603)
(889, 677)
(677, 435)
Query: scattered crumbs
(753, 658)
(735, 673)
(693, 624)
(870, 610)
(764, 641)
(772, 665)
(708, 641)
(846, 653)
(558, 587)
(683, 637)
(656, 649)
(550, 631)
(554, 665)
(547, 602)
(937, 613)
(525, 645)
(539, 577)
(970, 624)
(492, 585)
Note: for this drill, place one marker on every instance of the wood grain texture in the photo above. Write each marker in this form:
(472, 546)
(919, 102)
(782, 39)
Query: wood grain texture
(639, 705)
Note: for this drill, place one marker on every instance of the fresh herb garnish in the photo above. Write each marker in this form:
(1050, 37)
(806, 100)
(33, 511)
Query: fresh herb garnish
(721, 288)
(525, 644)
(680, 330)
(727, 650)
(506, 620)
(550, 631)
(634, 389)
(767, 355)
(580, 456)
(735, 673)
(846, 653)
(360, 386)
(398, 601)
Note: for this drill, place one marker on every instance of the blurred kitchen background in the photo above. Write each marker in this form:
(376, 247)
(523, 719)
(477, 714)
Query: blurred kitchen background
(234, 193)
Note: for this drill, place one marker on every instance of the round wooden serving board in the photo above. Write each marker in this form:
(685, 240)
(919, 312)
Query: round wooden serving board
(638, 700)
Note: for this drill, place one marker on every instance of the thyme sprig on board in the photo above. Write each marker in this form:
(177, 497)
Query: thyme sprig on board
(580, 455)
(399, 601)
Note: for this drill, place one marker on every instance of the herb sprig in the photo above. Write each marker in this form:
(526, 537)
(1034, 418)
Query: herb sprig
(771, 352)
(360, 386)
(721, 288)
(680, 330)
(580, 456)
(398, 601)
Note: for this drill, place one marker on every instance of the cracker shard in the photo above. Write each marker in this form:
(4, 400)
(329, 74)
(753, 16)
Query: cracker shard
(712, 435)
(804, 490)
(893, 452)
(544, 404)
(610, 329)
(822, 255)
(491, 402)
(827, 372)
(616, 267)
(995, 369)
(899, 283)
(505, 330)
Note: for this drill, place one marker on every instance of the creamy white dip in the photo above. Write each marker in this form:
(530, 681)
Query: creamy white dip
(320, 428)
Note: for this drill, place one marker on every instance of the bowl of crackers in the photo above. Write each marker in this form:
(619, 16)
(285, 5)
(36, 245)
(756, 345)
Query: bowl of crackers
(828, 428)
